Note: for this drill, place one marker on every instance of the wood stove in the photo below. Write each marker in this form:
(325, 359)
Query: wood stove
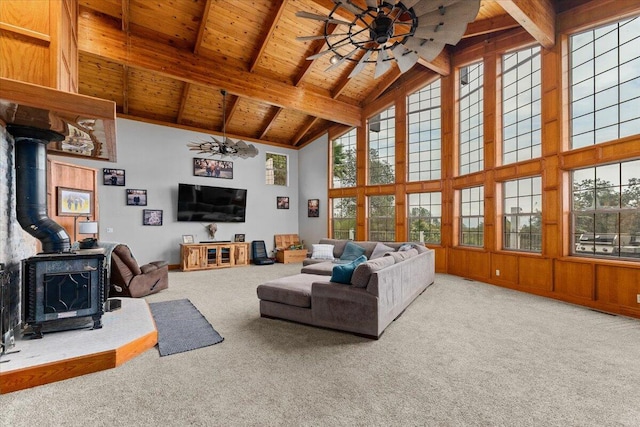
(62, 286)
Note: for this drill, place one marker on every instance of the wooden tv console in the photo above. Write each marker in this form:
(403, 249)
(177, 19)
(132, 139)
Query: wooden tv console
(206, 256)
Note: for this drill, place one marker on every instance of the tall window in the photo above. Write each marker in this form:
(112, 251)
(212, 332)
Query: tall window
(343, 218)
(276, 169)
(382, 218)
(605, 83)
(382, 146)
(343, 150)
(522, 214)
(521, 93)
(472, 216)
(471, 119)
(425, 217)
(423, 118)
(606, 210)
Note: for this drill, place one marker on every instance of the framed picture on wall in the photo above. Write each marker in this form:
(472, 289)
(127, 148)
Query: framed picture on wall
(151, 217)
(282, 202)
(313, 208)
(74, 202)
(213, 168)
(113, 177)
(136, 197)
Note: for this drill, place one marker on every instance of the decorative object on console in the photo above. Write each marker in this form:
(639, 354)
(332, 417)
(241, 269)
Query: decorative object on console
(74, 202)
(113, 177)
(136, 197)
(385, 32)
(282, 202)
(187, 238)
(238, 238)
(211, 230)
(213, 168)
(313, 208)
(151, 217)
(226, 146)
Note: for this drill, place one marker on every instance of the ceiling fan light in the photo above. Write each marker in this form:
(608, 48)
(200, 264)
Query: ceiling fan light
(335, 59)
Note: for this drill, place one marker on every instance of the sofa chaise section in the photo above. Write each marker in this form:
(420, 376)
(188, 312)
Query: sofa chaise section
(365, 307)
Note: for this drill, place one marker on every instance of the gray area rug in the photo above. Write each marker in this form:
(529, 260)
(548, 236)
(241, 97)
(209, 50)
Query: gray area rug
(181, 327)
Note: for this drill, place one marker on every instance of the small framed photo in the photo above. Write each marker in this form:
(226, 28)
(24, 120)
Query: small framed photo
(136, 197)
(213, 168)
(187, 238)
(282, 202)
(313, 208)
(74, 202)
(151, 217)
(238, 238)
(113, 177)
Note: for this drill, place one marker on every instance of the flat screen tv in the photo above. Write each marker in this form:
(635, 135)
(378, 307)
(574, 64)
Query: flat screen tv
(203, 203)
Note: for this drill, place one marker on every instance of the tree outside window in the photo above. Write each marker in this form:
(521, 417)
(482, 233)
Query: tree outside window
(606, 210)
(276, 169)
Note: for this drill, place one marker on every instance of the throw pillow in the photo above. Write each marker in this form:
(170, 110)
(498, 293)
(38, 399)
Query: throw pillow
(401, 256)
(342, 272)
(380, 250)
(420, 248)
(351, 252)
(405, 247)
(320, 251)
(362, 273)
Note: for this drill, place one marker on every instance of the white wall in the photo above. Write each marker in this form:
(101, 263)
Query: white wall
(156, 158)
(313, 161)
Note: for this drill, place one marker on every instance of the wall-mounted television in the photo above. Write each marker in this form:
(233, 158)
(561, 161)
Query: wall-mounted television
(203, 203)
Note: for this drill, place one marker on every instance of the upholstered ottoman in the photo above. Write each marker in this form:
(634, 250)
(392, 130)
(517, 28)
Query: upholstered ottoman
(288, 297)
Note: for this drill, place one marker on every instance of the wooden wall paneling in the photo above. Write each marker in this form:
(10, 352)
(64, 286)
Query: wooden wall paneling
(574, 279)
(24, 59)
(38, 43)
(447, 93)
(457, 262)
(71, 176)
(507, 266)
(535, 273)
(618, 285)
(402, 228)
(478, 264)
(441, 259)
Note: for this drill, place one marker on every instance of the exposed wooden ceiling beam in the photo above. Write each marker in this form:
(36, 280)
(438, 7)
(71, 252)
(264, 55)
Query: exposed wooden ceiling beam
(537, 17)
(100, 39)
(125, 68)
(272, 120)
(202, 27)
(303, 131)
(196, 48)
(490, 25)
(272, 27)
(441, 64)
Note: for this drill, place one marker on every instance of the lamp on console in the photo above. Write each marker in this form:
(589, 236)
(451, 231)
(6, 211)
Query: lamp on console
(88, 227)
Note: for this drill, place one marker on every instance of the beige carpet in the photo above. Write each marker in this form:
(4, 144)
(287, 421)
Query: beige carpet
(463, 354)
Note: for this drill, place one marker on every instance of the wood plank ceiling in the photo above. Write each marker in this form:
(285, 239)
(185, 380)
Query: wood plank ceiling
(166, 62)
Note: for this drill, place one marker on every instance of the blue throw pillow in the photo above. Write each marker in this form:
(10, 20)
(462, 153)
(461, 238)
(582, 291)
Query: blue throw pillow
(351, 251)
(342, 273)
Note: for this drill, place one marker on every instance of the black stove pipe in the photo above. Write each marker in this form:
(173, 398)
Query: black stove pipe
(31, 187)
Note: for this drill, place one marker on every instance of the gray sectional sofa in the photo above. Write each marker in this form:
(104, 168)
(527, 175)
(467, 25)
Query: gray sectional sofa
(377, 292)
